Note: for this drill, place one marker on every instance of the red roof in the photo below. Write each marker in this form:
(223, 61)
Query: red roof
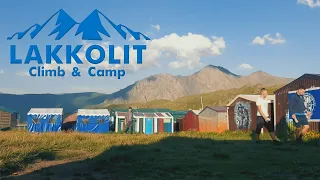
(71, 118)
(138, 114)
(160, 114)
(149, 115)
(121, 114)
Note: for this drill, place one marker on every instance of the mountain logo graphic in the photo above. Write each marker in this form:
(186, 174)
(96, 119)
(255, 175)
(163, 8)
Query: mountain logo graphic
(91, 27)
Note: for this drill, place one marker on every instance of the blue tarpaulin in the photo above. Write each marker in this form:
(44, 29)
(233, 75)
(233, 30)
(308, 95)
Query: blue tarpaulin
(44, 120)
(93, 121)
(311, 96)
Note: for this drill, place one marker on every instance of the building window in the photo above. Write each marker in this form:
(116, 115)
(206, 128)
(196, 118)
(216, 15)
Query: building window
(35, 121)
(52, 120)
(85, 121)
(100, 121)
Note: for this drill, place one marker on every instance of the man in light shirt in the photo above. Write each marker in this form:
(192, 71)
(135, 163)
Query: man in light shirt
(263, 118)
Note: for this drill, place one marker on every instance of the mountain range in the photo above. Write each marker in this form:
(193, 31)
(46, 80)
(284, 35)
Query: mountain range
(91, 27)
(163, 87)
(167, 87)
(195, 102)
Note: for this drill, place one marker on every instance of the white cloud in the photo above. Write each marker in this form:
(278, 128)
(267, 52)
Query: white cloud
(188, 49)
(22, 73)
(157, 27)
(310, 3)
(278, 39)
(131, 38)
(13, 90)
(245, 66)
(259, 40)
(1, 71)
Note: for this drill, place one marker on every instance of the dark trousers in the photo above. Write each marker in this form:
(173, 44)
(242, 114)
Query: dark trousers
(129, 127)
(262, 123)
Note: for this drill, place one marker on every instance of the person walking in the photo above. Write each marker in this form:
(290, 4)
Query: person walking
(129, 121)
(263, 119)
(300, 114)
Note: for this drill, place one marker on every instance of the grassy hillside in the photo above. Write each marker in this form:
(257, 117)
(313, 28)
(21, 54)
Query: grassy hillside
(217, 98)
(184, 155)
(70, 102)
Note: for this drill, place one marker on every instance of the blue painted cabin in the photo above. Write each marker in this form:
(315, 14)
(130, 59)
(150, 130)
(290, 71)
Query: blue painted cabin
(44, 119)
(93, 120)
(146, 122)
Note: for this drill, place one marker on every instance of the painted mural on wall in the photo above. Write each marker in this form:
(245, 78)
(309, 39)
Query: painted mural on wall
(242, 115)
(310, 101)
(311, 97)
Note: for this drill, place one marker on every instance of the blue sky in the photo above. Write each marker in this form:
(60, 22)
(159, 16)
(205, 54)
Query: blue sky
(235, 24)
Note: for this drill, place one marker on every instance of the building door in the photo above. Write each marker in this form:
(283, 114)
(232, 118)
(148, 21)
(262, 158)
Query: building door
(121, 125)
(167, 125)
(160, 125)
(140, 124)
(149, 125)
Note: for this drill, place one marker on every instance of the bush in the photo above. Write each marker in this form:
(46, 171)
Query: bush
(312, 136)
(5, 129)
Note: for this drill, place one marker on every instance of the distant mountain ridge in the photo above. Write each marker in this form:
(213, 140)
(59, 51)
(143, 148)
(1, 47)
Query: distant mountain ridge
(223, 70)
(91, 27)
(216, 98)
(209, 79)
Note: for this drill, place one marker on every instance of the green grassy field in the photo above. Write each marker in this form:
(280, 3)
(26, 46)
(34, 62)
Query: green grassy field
(184, 155)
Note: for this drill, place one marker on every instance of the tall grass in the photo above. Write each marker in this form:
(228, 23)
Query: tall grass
(18, 149)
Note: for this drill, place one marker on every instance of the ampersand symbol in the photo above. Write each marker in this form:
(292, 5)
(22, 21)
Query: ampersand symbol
(75, 72)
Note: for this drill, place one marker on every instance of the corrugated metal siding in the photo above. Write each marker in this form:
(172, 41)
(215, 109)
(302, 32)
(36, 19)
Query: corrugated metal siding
(282, 99)
(5, 119)
(314, 126)
(212, 121)
(190, 122)
(208, 125)
(14, 119)
(178, 125)
(208, 121)
(223, 122)
(253, 114)
(208, 113)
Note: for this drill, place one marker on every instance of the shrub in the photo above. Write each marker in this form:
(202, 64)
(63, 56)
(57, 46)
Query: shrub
(5, 129)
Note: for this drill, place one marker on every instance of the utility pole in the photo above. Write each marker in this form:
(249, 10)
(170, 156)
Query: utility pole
(201, 103)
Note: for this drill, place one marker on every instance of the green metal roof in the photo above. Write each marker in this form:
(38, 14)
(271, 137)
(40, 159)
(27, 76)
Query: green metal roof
(7, 110)
(178, 114)
(150, 110)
